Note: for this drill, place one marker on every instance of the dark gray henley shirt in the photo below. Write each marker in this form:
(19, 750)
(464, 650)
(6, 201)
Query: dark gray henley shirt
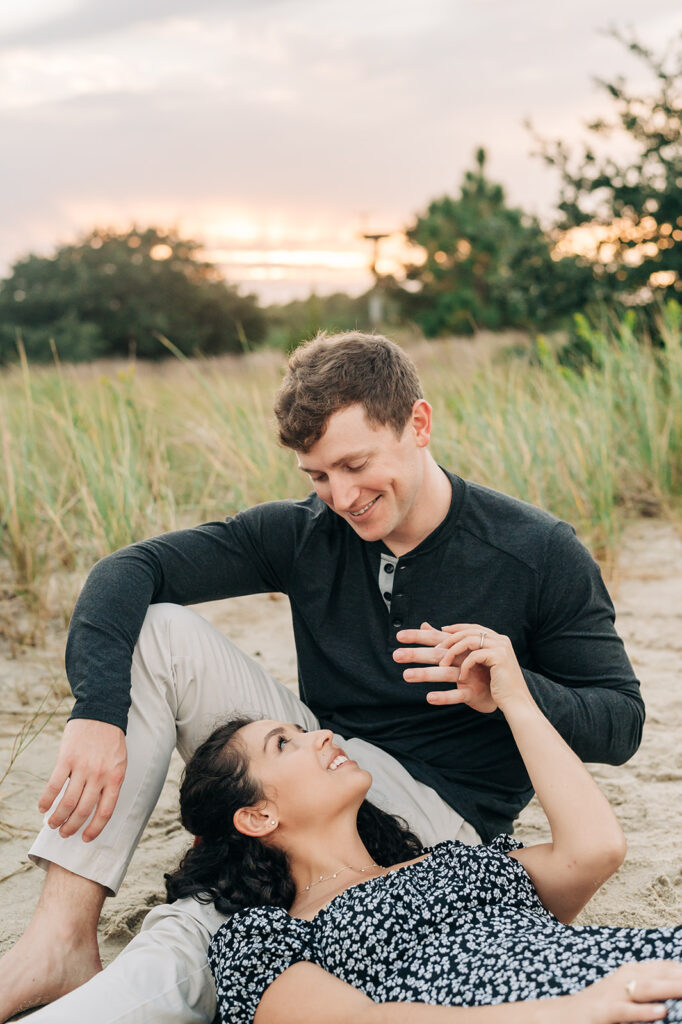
(493, 560)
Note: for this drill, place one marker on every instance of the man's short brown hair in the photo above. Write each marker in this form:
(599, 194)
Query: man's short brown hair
(332, 372)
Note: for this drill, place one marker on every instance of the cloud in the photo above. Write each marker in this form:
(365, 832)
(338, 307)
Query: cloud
(93, 18)
(307, 110)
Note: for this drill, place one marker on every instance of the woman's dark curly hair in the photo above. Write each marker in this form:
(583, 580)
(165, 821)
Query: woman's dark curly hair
(232, 870)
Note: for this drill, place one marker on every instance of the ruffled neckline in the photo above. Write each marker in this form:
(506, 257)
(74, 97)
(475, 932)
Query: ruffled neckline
(428, 851)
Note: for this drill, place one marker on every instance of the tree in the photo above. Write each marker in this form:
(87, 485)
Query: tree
(488, 264)
(631, 204)
(111, 294)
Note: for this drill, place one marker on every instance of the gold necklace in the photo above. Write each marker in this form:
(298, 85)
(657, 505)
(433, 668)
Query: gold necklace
(325, 878)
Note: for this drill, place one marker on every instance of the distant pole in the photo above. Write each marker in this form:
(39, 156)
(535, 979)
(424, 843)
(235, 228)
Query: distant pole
(376, 298)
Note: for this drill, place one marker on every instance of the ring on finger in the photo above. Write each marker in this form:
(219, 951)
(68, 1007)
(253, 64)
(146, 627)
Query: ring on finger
(630, 989)
(483, 636)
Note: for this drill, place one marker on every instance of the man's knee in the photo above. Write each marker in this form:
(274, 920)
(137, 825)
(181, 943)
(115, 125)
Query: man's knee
(165, 617)
(182, 633)
(168, 632)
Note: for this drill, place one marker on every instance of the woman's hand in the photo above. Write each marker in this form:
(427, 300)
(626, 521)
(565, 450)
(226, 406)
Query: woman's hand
(480, 661)
(632, 993)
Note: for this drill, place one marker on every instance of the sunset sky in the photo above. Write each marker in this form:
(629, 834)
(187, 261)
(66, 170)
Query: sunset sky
(276, 131)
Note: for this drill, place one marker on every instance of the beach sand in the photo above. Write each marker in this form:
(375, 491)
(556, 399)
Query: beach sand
(647, 792)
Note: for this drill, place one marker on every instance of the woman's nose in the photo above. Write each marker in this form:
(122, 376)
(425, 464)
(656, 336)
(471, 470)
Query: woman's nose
(322, 736)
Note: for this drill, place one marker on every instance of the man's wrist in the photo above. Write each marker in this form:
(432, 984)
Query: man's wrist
(92, 713)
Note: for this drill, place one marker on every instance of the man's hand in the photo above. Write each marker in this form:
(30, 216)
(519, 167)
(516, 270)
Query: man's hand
(454, 655)
(92, 756)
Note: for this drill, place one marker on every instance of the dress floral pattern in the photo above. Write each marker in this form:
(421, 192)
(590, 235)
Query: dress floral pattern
(463, 927)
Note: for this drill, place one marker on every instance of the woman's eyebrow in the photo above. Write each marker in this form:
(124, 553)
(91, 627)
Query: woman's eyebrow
(280, 730)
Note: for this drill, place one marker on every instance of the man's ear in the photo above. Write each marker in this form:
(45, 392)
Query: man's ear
(257, 821)
(420, 421)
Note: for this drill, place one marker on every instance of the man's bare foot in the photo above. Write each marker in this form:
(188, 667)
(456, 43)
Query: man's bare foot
(58, 951)
(39, 969)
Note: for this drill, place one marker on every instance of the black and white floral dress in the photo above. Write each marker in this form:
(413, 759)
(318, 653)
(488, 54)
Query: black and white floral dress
(463, 927)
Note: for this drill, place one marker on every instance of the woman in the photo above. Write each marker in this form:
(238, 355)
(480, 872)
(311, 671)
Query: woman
(339, 915)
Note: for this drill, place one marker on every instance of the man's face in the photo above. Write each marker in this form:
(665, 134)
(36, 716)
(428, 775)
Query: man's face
(367, 474)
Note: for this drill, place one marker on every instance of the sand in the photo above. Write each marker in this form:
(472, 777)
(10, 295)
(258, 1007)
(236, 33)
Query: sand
(647, 792)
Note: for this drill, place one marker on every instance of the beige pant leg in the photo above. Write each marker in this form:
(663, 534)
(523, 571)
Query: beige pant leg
(186, 677)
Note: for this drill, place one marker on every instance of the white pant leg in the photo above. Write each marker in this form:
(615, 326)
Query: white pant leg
(186, 678)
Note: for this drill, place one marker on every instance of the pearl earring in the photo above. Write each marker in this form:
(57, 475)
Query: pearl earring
(272, 821)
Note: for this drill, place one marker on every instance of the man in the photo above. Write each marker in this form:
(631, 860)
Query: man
(382, 564)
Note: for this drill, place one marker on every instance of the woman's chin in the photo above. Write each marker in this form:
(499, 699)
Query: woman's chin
(357, 784)
(350, 793)
(358, 772)
(366, 781)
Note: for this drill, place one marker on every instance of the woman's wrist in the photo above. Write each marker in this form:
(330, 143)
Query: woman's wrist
(564, 1011)
(518, 704)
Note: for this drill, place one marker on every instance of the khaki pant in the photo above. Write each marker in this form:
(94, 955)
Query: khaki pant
(186, 679)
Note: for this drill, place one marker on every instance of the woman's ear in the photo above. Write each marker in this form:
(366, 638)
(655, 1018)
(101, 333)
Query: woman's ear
(258, 821)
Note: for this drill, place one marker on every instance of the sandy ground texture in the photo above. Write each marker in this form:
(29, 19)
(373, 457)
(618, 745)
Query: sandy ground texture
(647, 793)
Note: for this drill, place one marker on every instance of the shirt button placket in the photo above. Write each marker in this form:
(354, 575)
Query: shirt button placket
(398, 602)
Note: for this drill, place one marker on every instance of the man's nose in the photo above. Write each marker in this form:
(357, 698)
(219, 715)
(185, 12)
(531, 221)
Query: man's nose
(344, 493)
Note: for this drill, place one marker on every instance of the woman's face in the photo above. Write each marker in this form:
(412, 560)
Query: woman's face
(305, 774)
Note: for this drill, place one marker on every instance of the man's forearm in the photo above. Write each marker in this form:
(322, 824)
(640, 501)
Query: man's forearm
(600, 723)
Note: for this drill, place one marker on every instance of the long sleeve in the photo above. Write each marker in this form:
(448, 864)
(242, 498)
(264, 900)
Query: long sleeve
(252, 553)
(581, 677)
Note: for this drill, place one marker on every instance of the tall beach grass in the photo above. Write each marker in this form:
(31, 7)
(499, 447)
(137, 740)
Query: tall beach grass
(96, 457)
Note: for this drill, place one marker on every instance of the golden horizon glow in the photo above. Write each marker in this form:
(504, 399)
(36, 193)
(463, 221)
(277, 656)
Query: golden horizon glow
(326, 258)
(352, 256)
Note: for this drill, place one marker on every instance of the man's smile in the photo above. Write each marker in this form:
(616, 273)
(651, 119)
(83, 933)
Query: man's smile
(365, 508)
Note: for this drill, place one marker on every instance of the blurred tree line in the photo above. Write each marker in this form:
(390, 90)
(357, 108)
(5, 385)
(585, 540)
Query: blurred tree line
(617, 239)
(632, 206)
(488, 264)
(113, 294)
(479, 262)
